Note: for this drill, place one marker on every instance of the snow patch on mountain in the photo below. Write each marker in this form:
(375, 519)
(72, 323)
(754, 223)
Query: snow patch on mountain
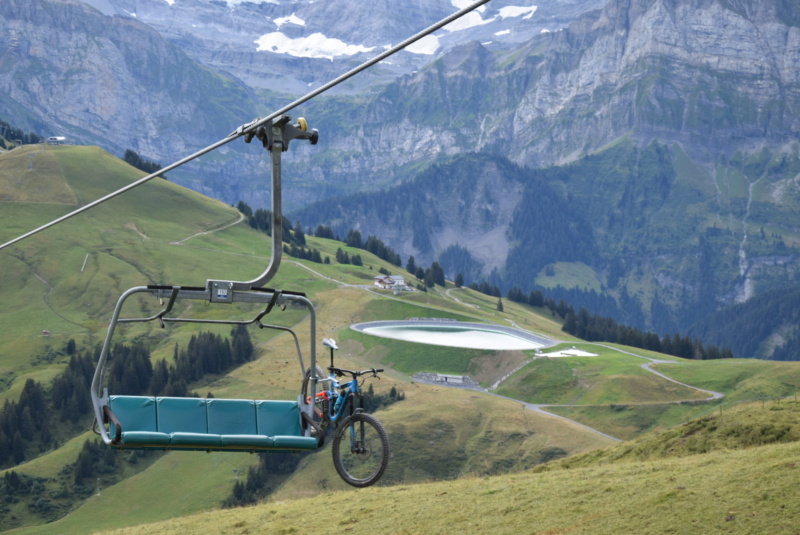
(474, 18)
(426, 46)
(291, 19)
(315, 45)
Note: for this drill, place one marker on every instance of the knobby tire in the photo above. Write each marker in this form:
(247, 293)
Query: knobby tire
(361, 463)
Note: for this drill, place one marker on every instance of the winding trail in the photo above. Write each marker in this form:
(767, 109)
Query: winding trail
(540, 407)
(211, 231)
(712, 396)
(46, 297)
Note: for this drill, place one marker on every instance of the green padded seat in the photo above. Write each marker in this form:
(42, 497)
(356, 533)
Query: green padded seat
(235, 421)
(281, 420)
(137, 419)
(186, 422)
(208, 424)
(285, 442)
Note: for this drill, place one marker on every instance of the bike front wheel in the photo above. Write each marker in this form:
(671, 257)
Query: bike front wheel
(360, 450)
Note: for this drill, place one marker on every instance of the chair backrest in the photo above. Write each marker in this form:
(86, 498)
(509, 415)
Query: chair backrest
(278, 417)
(182, 415)
(134, 412)
(232, 417)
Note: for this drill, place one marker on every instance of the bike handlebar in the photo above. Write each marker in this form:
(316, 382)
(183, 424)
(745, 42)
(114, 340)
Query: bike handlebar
(342, 371)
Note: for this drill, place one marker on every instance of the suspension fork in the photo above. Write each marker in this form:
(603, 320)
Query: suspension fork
(357, 430)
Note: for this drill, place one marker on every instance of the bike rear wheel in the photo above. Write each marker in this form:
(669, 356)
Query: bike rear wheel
(360, 450)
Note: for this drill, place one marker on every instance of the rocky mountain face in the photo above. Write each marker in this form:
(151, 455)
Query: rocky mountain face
(293, 46)
(715, 76)
(118, 83)
(709, 76)
(706, 74)
(111, 81)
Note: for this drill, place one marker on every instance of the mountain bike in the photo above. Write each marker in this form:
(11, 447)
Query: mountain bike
(360, 443)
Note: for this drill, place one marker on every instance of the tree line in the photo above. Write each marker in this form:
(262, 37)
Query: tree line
(96, 466)
(294, 238)
(295, 242)
(13, 135)
(430, 277)
(597, 328)
(747, 325)
(594, 328)
(293, 234)
(133, 158)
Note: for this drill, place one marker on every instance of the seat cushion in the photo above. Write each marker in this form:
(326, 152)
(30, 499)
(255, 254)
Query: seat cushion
(247, 441)
(195, 440)
(144, 438)
(284, 442)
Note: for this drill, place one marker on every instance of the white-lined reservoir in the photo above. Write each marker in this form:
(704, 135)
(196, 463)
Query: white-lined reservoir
(455, 334)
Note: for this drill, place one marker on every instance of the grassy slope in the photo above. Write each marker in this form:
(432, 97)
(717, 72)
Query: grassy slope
(739, 380)
(123, 243)
(610, 377)
(737, 489)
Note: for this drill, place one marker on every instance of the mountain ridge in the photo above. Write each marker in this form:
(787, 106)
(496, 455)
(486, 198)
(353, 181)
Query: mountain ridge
(110, 81)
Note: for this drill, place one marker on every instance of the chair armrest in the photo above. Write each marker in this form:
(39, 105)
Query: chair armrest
(320, 433)
(109, 415)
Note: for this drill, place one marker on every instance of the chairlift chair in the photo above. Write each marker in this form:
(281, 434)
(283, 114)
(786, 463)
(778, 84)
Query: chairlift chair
(175, 423)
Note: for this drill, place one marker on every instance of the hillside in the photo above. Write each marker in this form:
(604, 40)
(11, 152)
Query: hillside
(652, 124)
(67, 280)
(730, 486)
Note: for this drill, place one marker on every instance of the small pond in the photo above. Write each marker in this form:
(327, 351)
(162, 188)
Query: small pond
(455, 334)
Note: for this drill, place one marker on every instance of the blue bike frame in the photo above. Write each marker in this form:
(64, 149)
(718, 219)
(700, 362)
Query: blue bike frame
(340, 400)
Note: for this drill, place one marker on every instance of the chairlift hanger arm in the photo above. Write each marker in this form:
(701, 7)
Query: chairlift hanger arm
(249, 128)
